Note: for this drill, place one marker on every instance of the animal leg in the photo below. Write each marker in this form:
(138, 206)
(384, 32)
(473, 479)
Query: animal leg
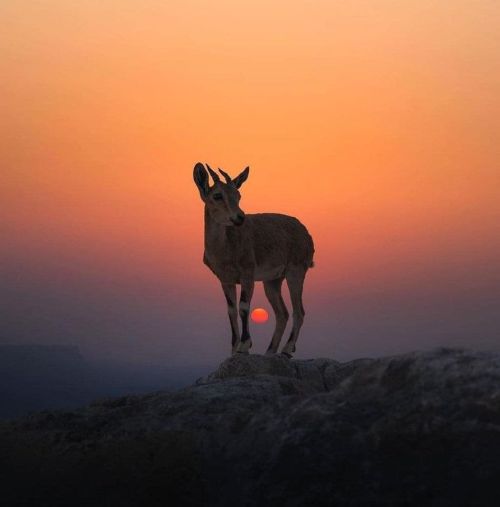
(232, 310)
(245, 343)
(295, 281)
(272, 288)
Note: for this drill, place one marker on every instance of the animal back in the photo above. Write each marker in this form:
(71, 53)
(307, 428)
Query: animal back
(281, 240)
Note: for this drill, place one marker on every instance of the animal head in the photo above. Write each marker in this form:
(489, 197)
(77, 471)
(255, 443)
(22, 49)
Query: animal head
(221, 199)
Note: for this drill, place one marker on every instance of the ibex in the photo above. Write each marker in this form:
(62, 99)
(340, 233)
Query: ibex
(242, 249)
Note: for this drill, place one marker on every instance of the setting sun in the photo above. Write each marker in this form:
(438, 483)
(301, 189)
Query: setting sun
(260, 315)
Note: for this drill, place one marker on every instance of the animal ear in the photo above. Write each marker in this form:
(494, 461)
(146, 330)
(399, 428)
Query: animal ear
(241, 178)
(200, 177)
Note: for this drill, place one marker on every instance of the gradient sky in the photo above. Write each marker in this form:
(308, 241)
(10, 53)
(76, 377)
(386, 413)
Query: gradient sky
(375, 122)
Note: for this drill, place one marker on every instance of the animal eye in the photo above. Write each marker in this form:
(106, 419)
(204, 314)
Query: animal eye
(217, 197)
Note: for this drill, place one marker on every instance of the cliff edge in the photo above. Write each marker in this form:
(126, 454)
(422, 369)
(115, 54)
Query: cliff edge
(415, 429)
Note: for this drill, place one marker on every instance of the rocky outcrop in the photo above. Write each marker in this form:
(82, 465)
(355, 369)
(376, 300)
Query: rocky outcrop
(416, 429)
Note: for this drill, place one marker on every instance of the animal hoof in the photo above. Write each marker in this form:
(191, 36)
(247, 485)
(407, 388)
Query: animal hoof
(270, 352)
(244, 347)
(288, 349)
(287, 355)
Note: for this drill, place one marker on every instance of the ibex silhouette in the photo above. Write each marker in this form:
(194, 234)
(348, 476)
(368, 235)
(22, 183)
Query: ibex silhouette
(243, 249)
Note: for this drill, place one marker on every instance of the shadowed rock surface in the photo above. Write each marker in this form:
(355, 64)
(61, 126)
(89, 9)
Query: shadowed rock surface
(416, 429)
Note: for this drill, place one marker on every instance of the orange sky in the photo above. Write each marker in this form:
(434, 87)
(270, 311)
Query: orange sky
(374, 122)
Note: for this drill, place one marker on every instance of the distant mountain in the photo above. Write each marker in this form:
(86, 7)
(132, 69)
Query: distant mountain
(42, 377)
(417, 429)
(32, 361)
(35, 377)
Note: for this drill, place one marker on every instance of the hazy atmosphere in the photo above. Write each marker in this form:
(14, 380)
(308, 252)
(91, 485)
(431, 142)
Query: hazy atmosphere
(375, 123)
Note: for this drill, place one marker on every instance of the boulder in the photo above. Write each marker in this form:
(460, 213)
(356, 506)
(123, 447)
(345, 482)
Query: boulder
(421, 428)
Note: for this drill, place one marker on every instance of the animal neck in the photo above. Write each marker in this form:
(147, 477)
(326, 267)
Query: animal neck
(219, 237)
(215, 234)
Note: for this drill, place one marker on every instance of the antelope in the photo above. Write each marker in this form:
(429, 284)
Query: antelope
(244, 248)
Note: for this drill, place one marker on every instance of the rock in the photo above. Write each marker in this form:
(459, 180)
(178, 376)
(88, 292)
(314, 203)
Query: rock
(244, 365)
(416, 429)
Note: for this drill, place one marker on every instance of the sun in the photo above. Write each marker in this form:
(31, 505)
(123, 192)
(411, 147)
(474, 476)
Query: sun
(259, 315)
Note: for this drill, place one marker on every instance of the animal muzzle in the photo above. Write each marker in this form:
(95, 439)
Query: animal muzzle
(238, 219)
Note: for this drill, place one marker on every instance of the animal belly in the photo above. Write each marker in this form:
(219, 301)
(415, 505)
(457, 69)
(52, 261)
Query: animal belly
(264, 273)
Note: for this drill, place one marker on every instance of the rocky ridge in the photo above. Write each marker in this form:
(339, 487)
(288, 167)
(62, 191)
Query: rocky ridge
(415, 429)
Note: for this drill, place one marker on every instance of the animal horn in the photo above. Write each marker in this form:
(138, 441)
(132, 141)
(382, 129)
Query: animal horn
(214, 175)
(226, 176)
